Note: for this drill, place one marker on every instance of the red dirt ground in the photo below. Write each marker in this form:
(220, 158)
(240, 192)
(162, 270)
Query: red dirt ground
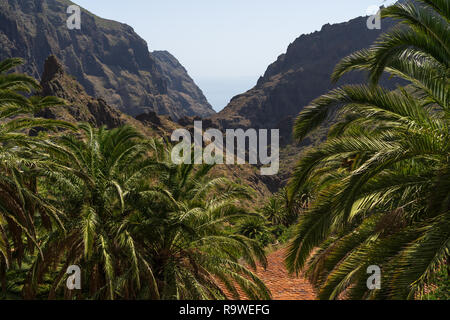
(281, 284)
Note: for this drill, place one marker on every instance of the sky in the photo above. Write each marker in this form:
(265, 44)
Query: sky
(226, 45)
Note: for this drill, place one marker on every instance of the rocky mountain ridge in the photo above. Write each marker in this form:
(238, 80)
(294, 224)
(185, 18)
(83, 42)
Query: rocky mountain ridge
(108, 58)
(297, 77)
(81, 107)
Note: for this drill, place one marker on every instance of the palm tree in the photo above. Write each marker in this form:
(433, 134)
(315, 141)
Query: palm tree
(254, 228)
(18, 201)
(381, 180)
(137, 225)
(92, 177)
(279, 210)
(188, 234)
(274, 211)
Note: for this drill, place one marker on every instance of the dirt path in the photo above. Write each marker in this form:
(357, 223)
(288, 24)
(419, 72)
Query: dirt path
(283, 286)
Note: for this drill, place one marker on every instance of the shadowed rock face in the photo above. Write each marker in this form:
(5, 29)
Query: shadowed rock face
(181, 85)
(81, 107)
(108, 58)
(298, 77)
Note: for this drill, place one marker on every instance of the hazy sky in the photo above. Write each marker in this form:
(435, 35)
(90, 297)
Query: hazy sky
(226, 44)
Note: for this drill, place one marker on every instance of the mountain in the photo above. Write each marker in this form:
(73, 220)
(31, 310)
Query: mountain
(106, 57)
(81, 106)
(84, 108)
(298, 77)
(181, 85)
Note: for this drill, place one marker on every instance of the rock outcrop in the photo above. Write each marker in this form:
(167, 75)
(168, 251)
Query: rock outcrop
(180, 85)
(81, 106)
(298, 77)
(106, 57)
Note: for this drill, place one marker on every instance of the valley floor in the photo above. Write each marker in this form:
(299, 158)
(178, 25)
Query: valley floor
(281, 284)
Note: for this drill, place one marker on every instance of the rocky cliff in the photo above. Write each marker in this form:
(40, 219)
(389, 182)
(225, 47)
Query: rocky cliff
(108, 58)
(181, 85)
(297, 77)
(81, 106)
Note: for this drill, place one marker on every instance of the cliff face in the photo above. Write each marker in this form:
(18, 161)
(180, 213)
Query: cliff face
(108, 58)
(81, 107)
(180, 85)
(298, 77)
